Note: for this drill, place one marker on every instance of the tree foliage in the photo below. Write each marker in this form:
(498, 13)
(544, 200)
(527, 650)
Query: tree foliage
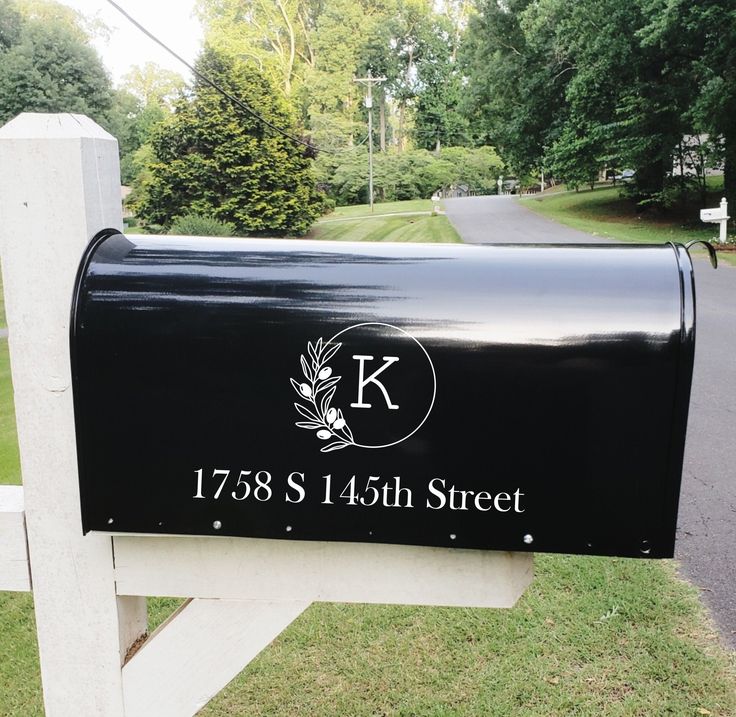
(146, 99)
(574, 87)
(273, 34)
(413, 174)
(438, 119)
(212, 159)
(151, 84)
(47, 65)
(313, 50)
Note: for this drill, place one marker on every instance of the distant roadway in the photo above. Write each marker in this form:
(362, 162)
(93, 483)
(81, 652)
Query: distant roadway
(706, 533)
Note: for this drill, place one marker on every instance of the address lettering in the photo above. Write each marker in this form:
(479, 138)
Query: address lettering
(353, 491)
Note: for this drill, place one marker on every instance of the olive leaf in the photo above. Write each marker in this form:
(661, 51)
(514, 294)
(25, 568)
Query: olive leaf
(306, 412)
(329, 383)
(336, 446)
(329, 353)
(305, 369)
(321, 416)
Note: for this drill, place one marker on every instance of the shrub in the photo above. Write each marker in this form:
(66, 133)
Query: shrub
(201, 225)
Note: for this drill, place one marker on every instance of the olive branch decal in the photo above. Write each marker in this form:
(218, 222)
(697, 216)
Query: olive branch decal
(318, 389)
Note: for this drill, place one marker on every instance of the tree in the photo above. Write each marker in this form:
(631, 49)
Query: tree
(585, 83)
(10, 25)
(146, 99)
(413, 174)
(704, 36)
(47, 67)
(334, 103)
(51, 12)
(273, 34)
(515, 94)
(437, 116)
(151, 84)
(132, 123)
(214, 159)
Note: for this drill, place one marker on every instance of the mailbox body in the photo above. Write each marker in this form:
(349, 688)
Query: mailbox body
(506, 398)
(713, 215)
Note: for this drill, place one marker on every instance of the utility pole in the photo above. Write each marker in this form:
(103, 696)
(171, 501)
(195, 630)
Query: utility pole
(369, 82)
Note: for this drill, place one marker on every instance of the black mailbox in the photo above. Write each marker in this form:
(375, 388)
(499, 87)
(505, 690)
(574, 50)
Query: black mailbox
(508, 397)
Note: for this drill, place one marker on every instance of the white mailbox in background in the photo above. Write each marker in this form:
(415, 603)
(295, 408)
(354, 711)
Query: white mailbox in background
(717, 215)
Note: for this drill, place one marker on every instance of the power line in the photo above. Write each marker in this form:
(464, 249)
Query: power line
(238, 103)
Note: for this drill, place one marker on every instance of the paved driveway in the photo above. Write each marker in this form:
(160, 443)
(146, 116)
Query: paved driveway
(493, 220)
(706, 534)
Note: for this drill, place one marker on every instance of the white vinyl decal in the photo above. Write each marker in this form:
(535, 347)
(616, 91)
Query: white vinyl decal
(325, 413)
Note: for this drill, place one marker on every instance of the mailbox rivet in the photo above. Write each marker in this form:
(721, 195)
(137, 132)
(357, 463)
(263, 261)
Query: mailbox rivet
(110, 521)
(645, 547)
(528, 539)
(453, 536)
(217, 525)
(288, 529)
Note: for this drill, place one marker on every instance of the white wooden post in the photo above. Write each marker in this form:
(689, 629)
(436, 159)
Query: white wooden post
(59, 184)
(723, 230)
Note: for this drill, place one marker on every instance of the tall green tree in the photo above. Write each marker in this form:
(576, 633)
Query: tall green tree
(132, 122)
(334, 102)
(438, 119)
(515, 95)
(578, 86)
(48, 66)
(151, 84)
(698, 40)
(213, 159)
(146, 99)
(276, 35)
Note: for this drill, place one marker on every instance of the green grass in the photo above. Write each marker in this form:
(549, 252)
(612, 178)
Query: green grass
(360, 210)
(391, 221)
(602, 212)
(591, 636)
(9, 459)
(411, 228)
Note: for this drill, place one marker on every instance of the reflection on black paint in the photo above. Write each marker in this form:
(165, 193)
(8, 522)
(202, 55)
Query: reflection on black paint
(562, 371)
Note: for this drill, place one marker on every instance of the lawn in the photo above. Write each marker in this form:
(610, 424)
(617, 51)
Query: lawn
(591, 636)
(359, 210)
(391, 221)
(406, 228)
(9, 460)
(603, 212)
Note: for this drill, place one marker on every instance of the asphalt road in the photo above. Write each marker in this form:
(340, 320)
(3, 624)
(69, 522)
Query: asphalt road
(706, 533)
(498, 220)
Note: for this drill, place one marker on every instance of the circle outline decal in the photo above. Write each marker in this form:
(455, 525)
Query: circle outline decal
(431, 365)
(328, 421)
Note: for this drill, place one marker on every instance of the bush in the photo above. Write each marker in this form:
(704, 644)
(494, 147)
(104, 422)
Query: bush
(211, 158)
(414, 174)
(201, 225)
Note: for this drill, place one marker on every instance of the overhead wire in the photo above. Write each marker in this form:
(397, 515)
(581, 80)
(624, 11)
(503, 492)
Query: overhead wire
(238, 102)
(234, 100)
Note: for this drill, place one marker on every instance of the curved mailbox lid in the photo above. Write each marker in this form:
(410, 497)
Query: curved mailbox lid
(507, 397)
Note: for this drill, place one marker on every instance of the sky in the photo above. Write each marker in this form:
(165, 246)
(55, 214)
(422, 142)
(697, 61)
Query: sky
(172, 21)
